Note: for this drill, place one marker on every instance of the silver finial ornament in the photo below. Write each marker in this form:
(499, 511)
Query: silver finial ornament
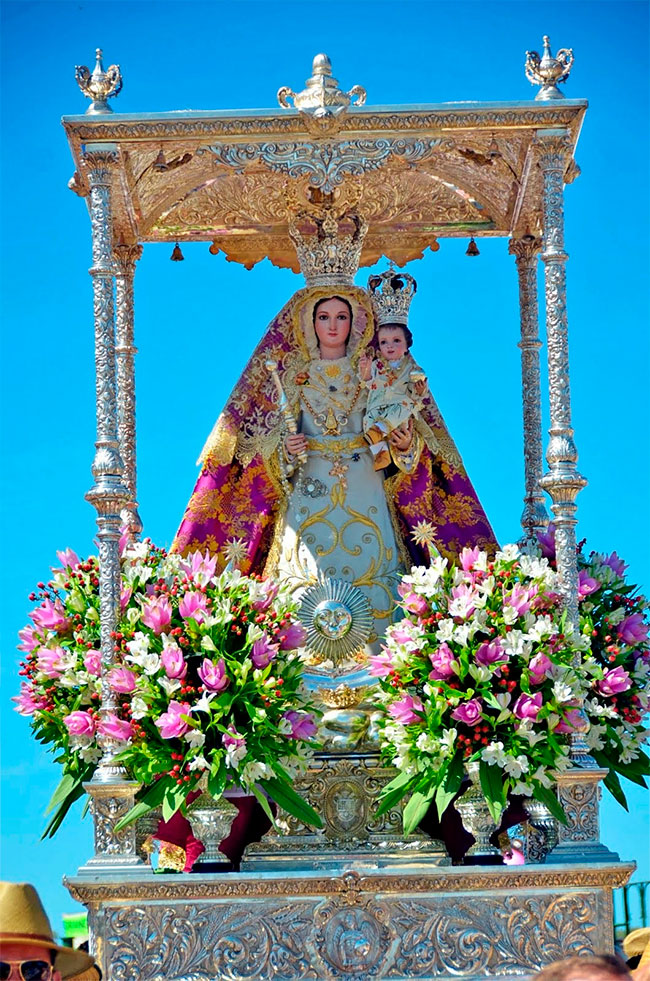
(99, 85)
(392, 292)
(548, 71)
(322, 98)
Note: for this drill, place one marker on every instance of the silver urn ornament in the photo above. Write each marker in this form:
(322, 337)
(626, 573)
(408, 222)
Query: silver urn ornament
(211, 822)
(477, 820)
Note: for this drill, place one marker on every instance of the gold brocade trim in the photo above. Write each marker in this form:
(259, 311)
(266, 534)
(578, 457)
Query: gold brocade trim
(391, 488)
(274, 471)
(413, 453)
(342, 444)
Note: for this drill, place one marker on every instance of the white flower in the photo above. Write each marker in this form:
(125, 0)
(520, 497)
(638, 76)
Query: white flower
(562, 691)
(493, 753)
(198, 763)
(139, 708)
(136, 550)
(169, 644)
(526, 731)
(170, 565)
(542, 777)
(515, 765)
(543, 627)
(253, 633)
(256, 771)
(427, 743)
(486, 588)
(426, 579)
(522, 789)
(517, 644)
(447, 742)
(169, 685)
(534, 566)
(616, 615)
(510, 615)
(508, 553)
(445, 630)
(203, 704)
(285, 727)
(594, 736)
(150, 663)
(90, 754)
(462, 632)
(133, 614)
(480, 672)
(139, 645)
(195, 738)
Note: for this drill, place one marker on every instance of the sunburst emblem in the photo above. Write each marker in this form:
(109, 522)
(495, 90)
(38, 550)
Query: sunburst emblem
(337, 618)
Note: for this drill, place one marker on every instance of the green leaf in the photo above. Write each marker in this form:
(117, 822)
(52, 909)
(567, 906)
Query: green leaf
(56, 820)
(264, 803)
(416, 808)
(66, 785)
(150, 799)
(172, 801)
(613, 784)
(284, 795)
(494, 789)
(217, 781)
(450, 785)
(549, 798)
(394, 791)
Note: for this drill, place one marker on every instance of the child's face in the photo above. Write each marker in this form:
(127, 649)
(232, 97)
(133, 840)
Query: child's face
(392, 343)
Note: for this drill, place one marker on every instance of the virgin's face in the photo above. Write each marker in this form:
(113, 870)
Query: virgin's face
(332, 326)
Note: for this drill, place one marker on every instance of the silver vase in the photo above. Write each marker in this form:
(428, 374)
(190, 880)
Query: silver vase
(476, 818)
(211, 822)
(542, 834)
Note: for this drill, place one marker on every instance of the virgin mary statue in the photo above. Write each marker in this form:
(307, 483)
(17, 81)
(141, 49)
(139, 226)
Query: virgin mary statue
(288, 486)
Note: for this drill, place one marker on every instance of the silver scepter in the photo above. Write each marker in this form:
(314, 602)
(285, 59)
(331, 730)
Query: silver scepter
(283, 404)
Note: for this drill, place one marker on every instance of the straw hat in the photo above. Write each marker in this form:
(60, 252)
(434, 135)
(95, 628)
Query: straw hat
(636, 942)
(24, 921)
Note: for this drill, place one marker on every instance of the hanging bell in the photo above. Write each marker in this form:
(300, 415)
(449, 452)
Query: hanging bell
(177, 255)
(472, 248)
(160, 164)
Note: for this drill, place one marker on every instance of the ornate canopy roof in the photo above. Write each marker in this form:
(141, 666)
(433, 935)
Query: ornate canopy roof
(415, 173)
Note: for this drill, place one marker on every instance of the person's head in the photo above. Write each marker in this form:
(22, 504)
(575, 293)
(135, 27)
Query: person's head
(332, 324)
(588, 968)
(393, 341)
(27, 948)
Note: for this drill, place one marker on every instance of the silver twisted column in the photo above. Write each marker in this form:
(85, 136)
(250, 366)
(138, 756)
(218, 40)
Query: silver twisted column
(111, 791)
(577, 788)
(126, 257)
(534, 517)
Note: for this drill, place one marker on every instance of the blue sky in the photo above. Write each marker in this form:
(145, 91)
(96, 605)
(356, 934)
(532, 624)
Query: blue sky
(197, 321)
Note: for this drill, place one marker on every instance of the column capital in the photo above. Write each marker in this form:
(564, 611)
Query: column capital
(98, 163)
(525, 248)
(126, 257)
(553, 149)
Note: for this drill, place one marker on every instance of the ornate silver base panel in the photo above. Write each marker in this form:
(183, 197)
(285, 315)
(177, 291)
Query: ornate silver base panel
(412, 924)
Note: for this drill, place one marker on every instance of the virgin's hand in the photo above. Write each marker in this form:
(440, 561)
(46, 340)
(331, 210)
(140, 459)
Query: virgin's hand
(295, 444)
(402, 437)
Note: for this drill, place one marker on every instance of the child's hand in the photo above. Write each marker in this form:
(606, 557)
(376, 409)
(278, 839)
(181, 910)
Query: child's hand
(420, 387)
(365, 367)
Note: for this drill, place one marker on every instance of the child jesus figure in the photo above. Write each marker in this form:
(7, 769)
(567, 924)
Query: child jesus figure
(395, 386)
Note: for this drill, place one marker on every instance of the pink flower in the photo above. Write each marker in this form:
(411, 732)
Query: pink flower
(380, 665)
(157, 614)
(441, 661)
(93, 663)
(170, 723)
(29, 639)
(194, 605)
(28, 701)
(405, 711)
(468, 712)
(292, 636)
(232, 738)
(213, 675)
(401, 635)
(115, 728)
(414, 603)
(463, 603)
(614, 681)
(200, 568)
(547, 541)
(573, 720)
(50, 616)
(122, 680)
(302, 725)
(263, 652)
(125, 539)
(468, 557)
(587, 584)
(173, 662)
(519, 598)
(49, 661)
(490, 653)
(632, 630)
(80, 724)
(538, 668)
(125, 596)
(528, 706)
(268, 591)
(68, 559)
(616, 564)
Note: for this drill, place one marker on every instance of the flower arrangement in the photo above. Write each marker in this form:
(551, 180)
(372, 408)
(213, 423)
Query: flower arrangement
(614, 616)
(479, 669)
(206, 675)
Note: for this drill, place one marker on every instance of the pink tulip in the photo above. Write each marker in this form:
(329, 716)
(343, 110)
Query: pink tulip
(587, 584)
(490, 653)
(292, 636)
(401, 635)
(80, 724)
(125, 539)
(269, 590)
(468, 712)
(380, 665)
(464, 601)
(157, 614)
(69, 560)
(93, 663)
(170, 723)
(232, 738)
(519, 598)
(528, 706)
(441, 661)
(28, 701)
(468, 557)
(214, 676)
(302, 725)
(173, 662)
(125, 596)
(200, 568)
(632, 630)
(573, 720)
(538, 668)
(121, 680)
(194, 605)
(29, 640)
(414, 603)
(263, 652)
(115, 728)
(614, 682)
(616, 564)
(547, 541)
(405, 711)
(50, 616)
(49, 661)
